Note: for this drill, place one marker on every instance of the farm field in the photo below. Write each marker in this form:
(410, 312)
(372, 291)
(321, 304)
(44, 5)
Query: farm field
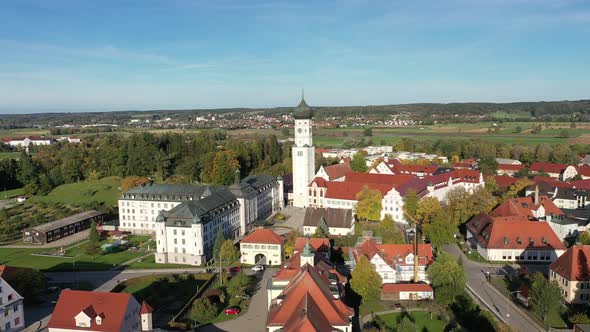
(84, 193)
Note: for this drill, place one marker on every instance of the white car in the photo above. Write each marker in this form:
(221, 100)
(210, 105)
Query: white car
(258, 268)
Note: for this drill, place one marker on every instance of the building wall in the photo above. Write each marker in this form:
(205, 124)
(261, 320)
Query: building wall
(12, 309)
(310, 230)
(274, 253)
(139, 217)
(509, 255)
(303, 161)
(572, 291)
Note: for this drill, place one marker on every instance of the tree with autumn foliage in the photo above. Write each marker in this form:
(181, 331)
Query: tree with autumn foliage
(427, 209)
(369, 204)
(130, 182)
(222, 167)
(411, 201)
(365, 280)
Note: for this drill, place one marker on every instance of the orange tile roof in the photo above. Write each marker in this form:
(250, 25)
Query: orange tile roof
(113, 306)
(509, 167)
(145, 308)
(504, 180)
(306, 285)
(395, 253)
(348, 190)
(548, 167)
(337, 170)
(390, 179)
(574, 264)
(524, 206)
(263, 235)
(317, 244)
(397, 288)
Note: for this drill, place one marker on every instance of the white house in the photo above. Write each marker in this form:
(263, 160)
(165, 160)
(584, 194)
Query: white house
(407, 292)
(24, 142)
(262, 246)
(12, 310)
(186, 234)
(99, 312)
(564, 172)
(332, 221)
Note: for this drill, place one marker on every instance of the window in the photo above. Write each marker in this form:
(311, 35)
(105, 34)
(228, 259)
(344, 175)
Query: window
(17, 321)
(15, 308)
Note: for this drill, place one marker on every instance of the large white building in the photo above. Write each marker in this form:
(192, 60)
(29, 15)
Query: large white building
(303, 154)
(24, 142)
(12, 314)
(186, 234)
(258, 197)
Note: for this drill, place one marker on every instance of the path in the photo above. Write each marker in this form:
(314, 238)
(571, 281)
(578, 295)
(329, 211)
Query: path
(487, 294)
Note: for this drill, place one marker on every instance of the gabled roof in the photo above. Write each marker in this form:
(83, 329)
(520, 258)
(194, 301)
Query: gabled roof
(513, 232)
(337, 171)
(71, 302)
(548, 167)
(317, 244)
(263, 235)
(9, 272)
(504, 180)
(145, 308)
(394, 254)
(377, 178)
(305, 285)
(307, 317)
(414, 287)
(574, 264)
(584, 170)
(524, 206)
(339, 218)
(510, 167)
(348, 190)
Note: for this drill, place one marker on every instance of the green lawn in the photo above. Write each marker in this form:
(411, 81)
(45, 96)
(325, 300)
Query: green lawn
(475, 256)
(77, 259)
(81, 193)
(9, 155)
(420, 318)
(166, 293)
(368, 307)
(12, 193)
(150, 263)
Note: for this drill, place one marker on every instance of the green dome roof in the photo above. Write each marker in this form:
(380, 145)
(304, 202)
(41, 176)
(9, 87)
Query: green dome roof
(303, 111)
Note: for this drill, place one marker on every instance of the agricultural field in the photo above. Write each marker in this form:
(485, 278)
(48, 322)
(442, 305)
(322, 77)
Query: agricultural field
(84, 193)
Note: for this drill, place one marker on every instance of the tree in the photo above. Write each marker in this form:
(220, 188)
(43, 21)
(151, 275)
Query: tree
(368, 132)
(411, 202)
(518, 129)
(222, 167)
(290, 242)
(584, 238)
(564, 133)
(358, 163)
(130, 182)
(406, 325)
(579, 318)
(28, 283)
(228, 252)
(447, 277)
(92, 249)
(488, 165)
(389, 232)
(365, 281)
(218, 243)
(441, 230)
(369, 204)
(545, 296)
(93, 237)
(320, 232)
(427, 209)
(491, 185)
(203, 310)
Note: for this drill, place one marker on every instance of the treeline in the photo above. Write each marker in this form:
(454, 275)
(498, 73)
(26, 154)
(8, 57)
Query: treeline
(476, 148)
(89, 130)
(208, 157)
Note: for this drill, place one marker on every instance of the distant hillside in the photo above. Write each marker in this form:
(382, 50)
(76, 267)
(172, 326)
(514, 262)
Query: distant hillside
(453, 112)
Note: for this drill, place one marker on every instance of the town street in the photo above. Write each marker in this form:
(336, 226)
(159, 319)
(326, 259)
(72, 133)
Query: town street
(485, 293)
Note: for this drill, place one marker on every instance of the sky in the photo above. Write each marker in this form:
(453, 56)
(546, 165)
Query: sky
(75, 55)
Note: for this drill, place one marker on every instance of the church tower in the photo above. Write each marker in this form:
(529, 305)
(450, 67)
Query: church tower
(303, 154)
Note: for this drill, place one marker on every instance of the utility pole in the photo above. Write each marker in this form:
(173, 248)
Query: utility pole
(417, 224)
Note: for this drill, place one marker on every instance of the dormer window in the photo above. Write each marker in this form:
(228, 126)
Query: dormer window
(519, 240)
(506, 241)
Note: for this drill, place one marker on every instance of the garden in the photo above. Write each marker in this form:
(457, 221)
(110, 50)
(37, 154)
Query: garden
(422, 321)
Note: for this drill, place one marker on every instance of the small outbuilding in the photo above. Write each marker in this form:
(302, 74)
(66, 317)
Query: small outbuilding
(55, 230)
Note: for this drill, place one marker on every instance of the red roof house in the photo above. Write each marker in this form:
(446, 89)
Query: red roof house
(263, 235)
(572, 272)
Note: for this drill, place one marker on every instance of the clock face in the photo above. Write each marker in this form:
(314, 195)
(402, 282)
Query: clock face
(300, 130)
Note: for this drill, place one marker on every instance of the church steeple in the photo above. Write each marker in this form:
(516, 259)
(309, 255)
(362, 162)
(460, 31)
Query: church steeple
(303, 111)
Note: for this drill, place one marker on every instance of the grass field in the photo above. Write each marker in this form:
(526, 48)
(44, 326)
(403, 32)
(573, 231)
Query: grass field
(420, 318)
(77, 260)
(81, 193)
(12, 193)
(150, 263)
(9, 155)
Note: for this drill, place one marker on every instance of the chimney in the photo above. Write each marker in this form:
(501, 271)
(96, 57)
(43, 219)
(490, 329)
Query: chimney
(536, 195)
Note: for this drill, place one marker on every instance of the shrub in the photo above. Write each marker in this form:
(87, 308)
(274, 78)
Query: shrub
(203, 310)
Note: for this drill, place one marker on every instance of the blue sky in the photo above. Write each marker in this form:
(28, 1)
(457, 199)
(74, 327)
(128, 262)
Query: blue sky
(104, 55)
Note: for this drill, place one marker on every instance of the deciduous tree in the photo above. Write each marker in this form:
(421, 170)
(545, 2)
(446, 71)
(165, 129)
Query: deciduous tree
(369, 204)
(440, 230)
(411, 201)
(203, 310)
(389, 232)
(365, 280)
(218, 243)
(545, 296)
(447, 277)
(228, 252)
(130, 182)
(358, 163)
(427, 209)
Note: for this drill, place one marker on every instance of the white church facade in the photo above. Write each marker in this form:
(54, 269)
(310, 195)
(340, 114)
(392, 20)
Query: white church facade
(303, 154)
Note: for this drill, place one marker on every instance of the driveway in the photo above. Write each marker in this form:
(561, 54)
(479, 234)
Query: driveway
(254, 320)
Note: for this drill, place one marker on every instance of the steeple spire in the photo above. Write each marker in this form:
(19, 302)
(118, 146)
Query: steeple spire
(302, 94)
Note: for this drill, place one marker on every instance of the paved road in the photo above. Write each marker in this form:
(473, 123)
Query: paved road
(495, 301)
(254, 320)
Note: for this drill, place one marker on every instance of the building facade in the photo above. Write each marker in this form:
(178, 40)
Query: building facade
(186, 234)
(12, 314)
(303, 154)
(571, 271)
(262, 246)
(58, 229)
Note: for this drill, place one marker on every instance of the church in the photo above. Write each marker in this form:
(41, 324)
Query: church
(303, 154)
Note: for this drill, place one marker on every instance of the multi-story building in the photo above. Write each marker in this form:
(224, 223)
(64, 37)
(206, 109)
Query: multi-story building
(99, 312)
(12, 313)
(24, 142)
(186, 234)
(258, 197)
(564, 172)
(394, 262)
(303, 154)
(262, 246)
(572, 272)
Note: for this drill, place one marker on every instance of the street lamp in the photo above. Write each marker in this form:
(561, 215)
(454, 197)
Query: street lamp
(508, 307)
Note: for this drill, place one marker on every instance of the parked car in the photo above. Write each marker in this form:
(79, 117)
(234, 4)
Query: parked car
(243, 297)
(258, 268)
(234, 269)
(232, 311)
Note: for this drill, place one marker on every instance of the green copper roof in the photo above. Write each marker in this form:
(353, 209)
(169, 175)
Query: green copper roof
(303, 111)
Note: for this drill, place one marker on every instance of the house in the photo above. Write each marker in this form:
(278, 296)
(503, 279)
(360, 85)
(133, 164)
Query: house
(509, 169)
(395, 166)
(53, 231)
(584, 171)
(394, 262)
(336, 172)
(186, 234)
(307, 304)
(563, 172)
(25, 142)
(99, 311)
(407, 292)
(572, 272)
(331, 221)
(506, 161)
(11, 304)
(504, 181)
(513, 238)
(262, 246)
(536, 207)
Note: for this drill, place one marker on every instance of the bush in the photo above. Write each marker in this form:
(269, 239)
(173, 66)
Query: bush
(203, 310)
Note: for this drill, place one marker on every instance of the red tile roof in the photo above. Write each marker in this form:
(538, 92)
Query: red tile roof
(8, 272)
(524, 206)
(389, 179)
(574, 264)
(504, 180)
(337, 171)
(548, 167)
(509, 167)
(397, 288)
(306, 285)
(514, 232)
(395, 254)
(463, 165)
(71, 302)
(317, 244)
(145, 308)
(584, 170)
(263, 235)
(581, 184)
(348, 190)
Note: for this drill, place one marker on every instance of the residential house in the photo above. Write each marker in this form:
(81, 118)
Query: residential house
(12, 317)
(331, 221)
(572, 272)
(563, 172)
(262, 246)
(407, 292)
